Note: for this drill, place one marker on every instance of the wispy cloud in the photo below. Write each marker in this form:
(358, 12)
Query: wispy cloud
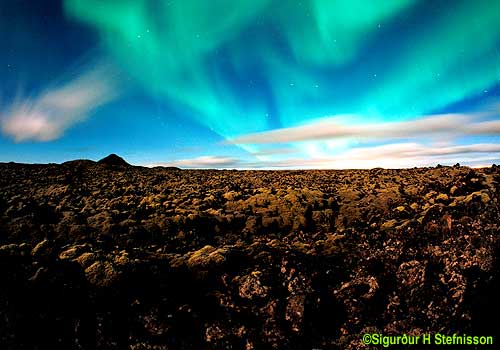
(403, 155)
(398, 155)
(274, 151)
(47, 116)
(395, 155)
(202, 162)
(491, 127)
(336, 127)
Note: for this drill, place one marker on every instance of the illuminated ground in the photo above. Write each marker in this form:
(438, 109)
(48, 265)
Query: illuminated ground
(110, 256)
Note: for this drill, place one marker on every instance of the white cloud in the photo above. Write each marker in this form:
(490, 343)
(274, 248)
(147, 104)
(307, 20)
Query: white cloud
(398, 155)
(491, 127)
(335, 128)
(49, 115)
(336, 142)
(202, 162)
(395, 155)
(274, 151)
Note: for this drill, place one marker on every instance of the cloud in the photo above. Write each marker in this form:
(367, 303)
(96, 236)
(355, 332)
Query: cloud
(394, 155)
(413, 154)
(202, 162)
(398, 155)
(274, 151)
(49, 115)
(335, 127)
(491, 127)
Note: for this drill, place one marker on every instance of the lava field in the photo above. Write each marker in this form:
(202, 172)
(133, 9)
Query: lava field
(105, 255)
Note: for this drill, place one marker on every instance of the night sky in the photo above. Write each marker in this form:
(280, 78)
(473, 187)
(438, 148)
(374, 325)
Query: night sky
(251, 83)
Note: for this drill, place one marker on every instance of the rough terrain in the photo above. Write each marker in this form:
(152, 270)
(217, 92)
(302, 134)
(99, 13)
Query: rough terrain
(111, 256)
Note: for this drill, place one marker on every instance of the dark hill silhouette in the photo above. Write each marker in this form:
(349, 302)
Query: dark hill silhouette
(113, 160)
(167, 167)
(79, 162)
(172, 168)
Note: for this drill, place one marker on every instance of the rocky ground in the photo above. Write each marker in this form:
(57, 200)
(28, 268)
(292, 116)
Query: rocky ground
(110, 256)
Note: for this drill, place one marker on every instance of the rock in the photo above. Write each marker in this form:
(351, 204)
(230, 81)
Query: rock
(86, 259)
(231, 195)
(388, 225)
(442, 197)
(206, 257)
(44, 250)
(446, 222)
(401, 208)
(74, 251)
(102, 274)
(482, 196)
(295, 312)
(411, 274)
(14, 249)
(453, 190)
(250, 286)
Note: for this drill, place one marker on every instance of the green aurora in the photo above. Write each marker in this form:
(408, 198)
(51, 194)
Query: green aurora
(196, 53)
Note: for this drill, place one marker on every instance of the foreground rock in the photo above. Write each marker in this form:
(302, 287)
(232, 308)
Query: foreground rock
(122, 257)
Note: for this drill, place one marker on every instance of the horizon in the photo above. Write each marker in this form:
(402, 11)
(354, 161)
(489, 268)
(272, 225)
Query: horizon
(270, 85)
(153, 166)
